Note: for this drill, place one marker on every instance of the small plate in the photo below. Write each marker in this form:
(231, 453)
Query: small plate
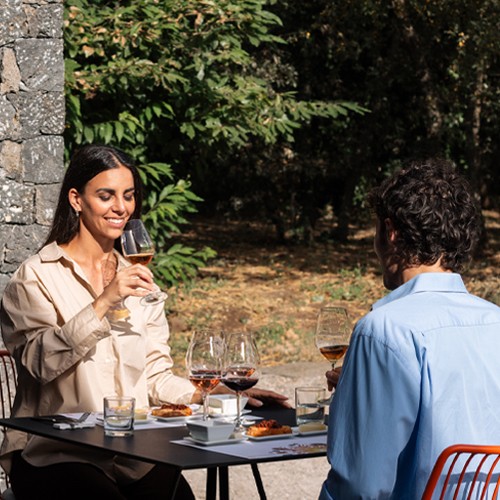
(216, 414)
(196, 409)
(312, 433)
(142, 421)
(100, 420)
(176, 419)
(212, 443)
(269, 438)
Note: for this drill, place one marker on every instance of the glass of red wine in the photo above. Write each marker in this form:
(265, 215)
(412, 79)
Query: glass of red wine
(240, 372)
(333, 332)
(204, 361)
(139, 249)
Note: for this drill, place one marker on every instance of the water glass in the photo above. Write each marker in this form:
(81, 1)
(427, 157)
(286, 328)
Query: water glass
(119, 416)
(308, 405)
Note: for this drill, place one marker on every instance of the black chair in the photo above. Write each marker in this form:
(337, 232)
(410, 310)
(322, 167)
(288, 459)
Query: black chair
(8, 385)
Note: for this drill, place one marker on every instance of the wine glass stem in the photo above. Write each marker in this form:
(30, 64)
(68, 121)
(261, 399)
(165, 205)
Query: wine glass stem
(204, 397)
(238, 425)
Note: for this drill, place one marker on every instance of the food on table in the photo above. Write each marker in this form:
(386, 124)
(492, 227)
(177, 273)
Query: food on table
(312, 427)
(141, 413)
(268, 428)
(172, 410)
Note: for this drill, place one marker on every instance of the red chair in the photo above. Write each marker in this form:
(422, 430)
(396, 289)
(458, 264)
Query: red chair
(472, 468)
(8, 385)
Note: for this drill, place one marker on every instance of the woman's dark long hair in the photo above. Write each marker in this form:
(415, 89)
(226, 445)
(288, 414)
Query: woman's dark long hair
(87, 162)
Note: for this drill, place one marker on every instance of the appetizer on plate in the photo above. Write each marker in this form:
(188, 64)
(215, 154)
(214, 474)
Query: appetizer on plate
(313, 427)
(167, 410)
(268, 428)
(141, 413)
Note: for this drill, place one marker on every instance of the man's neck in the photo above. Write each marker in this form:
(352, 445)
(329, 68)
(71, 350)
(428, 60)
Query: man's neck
(410, 272)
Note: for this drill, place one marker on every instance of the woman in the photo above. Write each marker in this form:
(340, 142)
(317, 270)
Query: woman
(59, 320)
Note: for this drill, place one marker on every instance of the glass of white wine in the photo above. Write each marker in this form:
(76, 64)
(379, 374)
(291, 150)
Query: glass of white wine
(333, 332)
(139, 249)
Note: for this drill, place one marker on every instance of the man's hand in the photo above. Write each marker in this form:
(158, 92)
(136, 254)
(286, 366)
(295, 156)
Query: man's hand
(260, 397)
(332, 377)
(257, 397)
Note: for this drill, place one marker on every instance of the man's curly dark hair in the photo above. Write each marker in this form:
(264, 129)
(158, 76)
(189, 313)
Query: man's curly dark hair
(434, 213)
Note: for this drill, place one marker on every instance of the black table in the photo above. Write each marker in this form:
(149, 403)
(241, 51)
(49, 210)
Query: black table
(154, 446)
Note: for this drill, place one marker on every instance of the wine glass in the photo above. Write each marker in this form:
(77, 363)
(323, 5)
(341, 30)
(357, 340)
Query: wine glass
(333, 331)
(240, 370)
(139, 249)
(204, 359)
(118, 312)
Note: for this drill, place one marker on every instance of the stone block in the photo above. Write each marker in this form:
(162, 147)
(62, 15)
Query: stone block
(43, 159)
(16, 203)
(45, 203)
(4, 279)
(5, 235)
(10, 159)
(24, 242)
(10, 124)
(41, 63)
(10, 76)
(45, 21)
(13, 23)
(41, 113)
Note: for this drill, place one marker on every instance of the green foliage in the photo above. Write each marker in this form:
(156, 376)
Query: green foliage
(175, 83)
(428, 73)
(426, 70)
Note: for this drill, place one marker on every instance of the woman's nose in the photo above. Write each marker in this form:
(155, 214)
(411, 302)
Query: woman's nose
(119, 205)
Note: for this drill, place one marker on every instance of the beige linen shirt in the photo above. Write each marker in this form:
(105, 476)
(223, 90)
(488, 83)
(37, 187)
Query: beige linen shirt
(68, 360)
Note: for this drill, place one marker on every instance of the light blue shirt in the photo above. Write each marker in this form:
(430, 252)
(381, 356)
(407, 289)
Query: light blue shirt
(422, 372)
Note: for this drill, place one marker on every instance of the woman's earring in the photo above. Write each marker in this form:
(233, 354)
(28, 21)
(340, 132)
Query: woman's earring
(77, 213)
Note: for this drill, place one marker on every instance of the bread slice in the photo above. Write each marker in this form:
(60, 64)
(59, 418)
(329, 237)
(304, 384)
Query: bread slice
(172, 410)
(268, 428)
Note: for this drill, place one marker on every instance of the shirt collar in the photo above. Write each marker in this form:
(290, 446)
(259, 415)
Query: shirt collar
(53, 252)
(425, 282)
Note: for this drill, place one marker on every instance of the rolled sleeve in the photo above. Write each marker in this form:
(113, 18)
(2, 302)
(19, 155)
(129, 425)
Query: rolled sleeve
(30, 324)
(163, 384)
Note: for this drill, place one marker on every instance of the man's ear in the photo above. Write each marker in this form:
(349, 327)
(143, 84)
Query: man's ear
(390, 230)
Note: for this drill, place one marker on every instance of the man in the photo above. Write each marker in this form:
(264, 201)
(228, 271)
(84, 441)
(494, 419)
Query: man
(423, 369)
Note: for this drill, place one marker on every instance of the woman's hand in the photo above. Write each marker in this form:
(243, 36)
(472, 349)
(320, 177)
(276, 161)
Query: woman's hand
(332, 377)
(136, 280)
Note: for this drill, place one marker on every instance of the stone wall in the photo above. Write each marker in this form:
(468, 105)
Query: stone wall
(31, 125)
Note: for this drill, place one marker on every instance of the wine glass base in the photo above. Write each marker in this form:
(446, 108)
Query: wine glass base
(153, 298)
(239, 431)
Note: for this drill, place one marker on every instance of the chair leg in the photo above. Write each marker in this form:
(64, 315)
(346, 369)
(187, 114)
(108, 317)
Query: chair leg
(258, 482)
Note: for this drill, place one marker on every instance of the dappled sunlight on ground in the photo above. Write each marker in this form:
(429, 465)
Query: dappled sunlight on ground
(276, 290)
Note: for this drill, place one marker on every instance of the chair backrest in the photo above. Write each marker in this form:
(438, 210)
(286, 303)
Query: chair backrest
(466, 470)
(8, 385)
(8, 382)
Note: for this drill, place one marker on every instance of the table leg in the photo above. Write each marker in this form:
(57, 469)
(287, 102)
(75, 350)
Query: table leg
(177, 478)
(223, 483)
(211, 489)
(258, 482)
